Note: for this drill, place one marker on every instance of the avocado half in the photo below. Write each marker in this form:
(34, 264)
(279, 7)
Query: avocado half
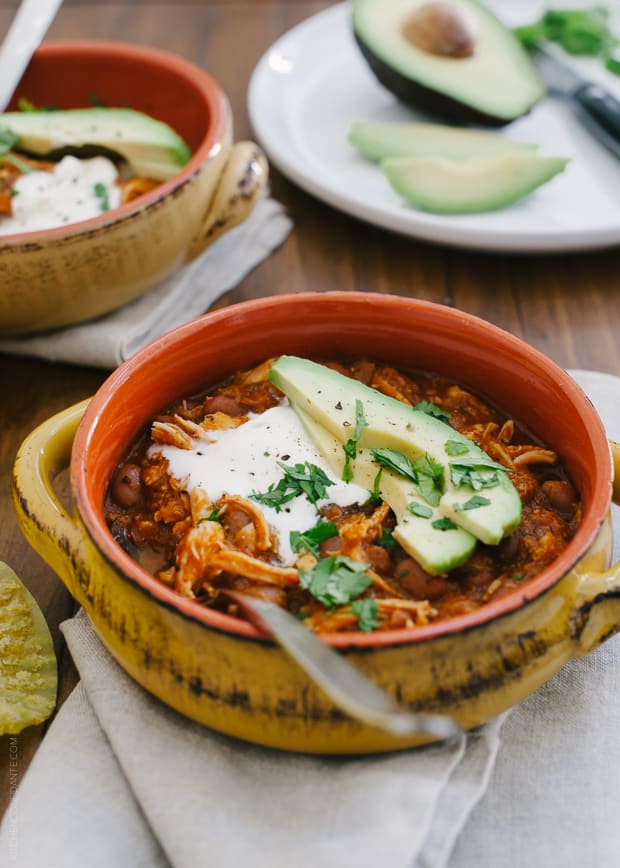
(453, 58)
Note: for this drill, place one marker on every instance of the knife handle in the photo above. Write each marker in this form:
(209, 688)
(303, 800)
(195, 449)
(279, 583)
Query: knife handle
(602, 106)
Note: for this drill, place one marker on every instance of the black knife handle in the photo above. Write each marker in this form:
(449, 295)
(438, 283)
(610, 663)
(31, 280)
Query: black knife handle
(603, 107)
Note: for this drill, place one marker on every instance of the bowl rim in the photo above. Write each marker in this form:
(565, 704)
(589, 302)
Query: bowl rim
(219, 111)
(129, 570)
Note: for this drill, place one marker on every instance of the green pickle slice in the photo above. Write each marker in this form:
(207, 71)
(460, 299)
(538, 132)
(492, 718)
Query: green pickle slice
(28, 669)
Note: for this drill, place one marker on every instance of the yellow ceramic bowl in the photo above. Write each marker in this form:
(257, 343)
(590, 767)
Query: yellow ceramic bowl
(219, 670)
(66, 275)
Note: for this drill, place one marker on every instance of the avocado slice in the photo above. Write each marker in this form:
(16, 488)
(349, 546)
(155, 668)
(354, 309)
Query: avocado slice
(379, 140)
(453, 58)
(437, 551)
(152, 148)
(331, 399)
(470, 186)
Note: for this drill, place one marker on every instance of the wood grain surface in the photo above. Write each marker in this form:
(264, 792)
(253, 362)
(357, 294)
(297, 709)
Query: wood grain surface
(568, 306)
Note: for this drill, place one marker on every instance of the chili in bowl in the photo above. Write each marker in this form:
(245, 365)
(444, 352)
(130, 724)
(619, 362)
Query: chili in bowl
(467, 641)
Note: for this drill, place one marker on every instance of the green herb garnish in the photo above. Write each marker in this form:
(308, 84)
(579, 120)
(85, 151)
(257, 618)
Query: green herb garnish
(425, 472)
(335, 581)
(309, 540)
(419, 509)
(367, 612)
(577, 31)
(386, 539)
(101, 192)
(444, 524)
(350, 447)
(455, 447)
(432, 410)
(8, 140)
(472, 477)
(473, 503)
(306, 479)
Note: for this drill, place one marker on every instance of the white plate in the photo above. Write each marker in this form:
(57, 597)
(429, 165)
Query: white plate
(313, 83)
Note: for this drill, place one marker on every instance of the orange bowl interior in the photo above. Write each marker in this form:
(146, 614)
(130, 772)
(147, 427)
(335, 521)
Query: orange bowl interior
(408, 333)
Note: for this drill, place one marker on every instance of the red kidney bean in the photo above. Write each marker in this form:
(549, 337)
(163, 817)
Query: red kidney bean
(418, 582)
(127, 486)
(379, 558)
(508, 548)
(330, 546)
(223, 404)
(561, 495)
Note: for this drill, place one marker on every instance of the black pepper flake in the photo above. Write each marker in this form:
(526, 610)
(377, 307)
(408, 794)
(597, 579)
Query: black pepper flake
(346, 424)
(285, 457)
(338, 406)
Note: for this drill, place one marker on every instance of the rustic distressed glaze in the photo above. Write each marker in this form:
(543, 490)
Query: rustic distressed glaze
(66, 275)
(221, 671)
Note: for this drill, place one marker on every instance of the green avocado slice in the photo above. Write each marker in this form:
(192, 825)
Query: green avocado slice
(152, 148)
(470, 186)
(494, 84)
(378, 140)
(331, 400)
(436, 550)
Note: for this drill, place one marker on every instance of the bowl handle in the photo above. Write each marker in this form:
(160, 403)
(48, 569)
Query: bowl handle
(595, 615)
(240, 185)
(52, 533)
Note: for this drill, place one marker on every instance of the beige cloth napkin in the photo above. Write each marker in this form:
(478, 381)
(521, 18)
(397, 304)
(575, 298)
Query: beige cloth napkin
(107, 341)
(121, 780)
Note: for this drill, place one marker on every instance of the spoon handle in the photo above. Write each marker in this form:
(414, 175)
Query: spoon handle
(346, 686)
(27, 29)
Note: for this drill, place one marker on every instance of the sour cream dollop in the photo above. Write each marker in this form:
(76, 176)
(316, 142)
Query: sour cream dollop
(73, 191)
(244, 460)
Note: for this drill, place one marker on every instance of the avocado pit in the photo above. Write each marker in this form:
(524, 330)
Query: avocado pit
(440, 29)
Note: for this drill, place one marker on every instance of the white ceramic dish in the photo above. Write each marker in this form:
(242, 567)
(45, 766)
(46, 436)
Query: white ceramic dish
(313, 83)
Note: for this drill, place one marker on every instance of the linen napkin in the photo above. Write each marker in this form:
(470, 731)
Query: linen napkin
(107, 341)
(121, 780)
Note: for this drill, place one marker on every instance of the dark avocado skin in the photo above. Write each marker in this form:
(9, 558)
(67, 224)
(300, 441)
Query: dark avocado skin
(421, 97)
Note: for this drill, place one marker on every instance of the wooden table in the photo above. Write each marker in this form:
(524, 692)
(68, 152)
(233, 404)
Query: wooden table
(568, 306)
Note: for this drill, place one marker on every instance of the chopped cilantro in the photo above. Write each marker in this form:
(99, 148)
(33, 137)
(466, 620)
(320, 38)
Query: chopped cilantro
(386, 539)
(425, 472)
(476, 478)
(350, 447)
(455, 447)
(420, 509)
(306, 479)
(518, 577)
(432, 410)
(8, 140)
(214, 516)
(101, 192)
(375, 494)
(577, 31)
(312, 538)
(335, 581)
(473, 503)
(367, 612)
(444, 524)
(23, 167)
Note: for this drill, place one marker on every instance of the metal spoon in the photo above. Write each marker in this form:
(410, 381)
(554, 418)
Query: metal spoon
(27, 29)
(346, 686)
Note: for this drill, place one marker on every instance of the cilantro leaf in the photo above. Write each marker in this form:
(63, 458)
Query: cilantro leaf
(444, 524)
(432, 410)
(8, 140)
(307, 479)
(335, 581)
(386, 539)
(473, 503)
(420, 509)
(367, 612)
(350, 447)
(395, 461)
(455, 447)
(309, 540)
(425, 472)
(472, 477)
(101, 192)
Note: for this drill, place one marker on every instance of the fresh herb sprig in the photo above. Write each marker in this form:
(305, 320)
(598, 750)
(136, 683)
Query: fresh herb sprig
(350, 447)
(367, 612)
(310, 540)
(335, 581)
(101, 192)
(577, 31)
(300, 479)
(426, 473)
